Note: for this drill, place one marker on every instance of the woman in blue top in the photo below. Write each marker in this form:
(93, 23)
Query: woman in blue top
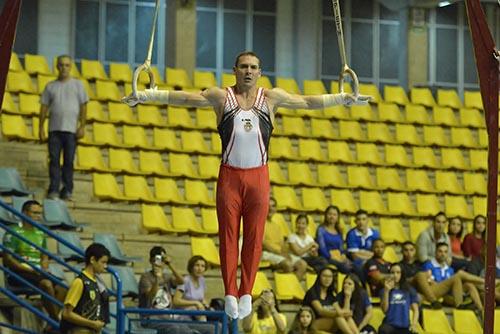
(397, 298)
(331, 244)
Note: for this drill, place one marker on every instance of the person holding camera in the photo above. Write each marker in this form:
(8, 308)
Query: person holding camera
(265, 317)
(397, 299)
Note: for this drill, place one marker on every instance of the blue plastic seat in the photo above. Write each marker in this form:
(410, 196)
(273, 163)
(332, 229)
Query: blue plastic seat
(6, 217)
(110, 242)
(130, 287)
(56, 214)
(67, 253)
(11, 183)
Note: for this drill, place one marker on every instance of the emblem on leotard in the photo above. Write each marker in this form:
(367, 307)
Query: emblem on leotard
(248, 124)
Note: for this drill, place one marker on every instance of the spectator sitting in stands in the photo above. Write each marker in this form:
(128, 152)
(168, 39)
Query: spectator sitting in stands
(303, 245)
(441, 279)
(456, 229)
(477, 267)
(473, 242)
(330, 240)
(321, 297)
(354, 307)
(86, 308)
(397, 298)
(265, 317)
(428, 239)
(376, 269)
(303, 322)
(275, 249)
(359, 240)
(410, 266)
(155, 291)
(33, 256)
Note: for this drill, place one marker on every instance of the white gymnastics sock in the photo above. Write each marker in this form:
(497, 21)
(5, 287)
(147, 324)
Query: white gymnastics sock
(231, 306)
(245, 306)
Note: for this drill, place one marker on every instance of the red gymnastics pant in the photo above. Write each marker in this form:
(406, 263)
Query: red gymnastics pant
(241, 193)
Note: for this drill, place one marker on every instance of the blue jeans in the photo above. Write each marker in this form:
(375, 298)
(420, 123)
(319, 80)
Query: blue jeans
(65, 142)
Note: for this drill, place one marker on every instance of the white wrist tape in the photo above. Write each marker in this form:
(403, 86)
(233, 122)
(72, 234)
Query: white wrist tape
(332, 100)
(154, 95)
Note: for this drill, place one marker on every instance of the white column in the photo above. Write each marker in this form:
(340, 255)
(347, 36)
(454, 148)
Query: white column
(284, 38)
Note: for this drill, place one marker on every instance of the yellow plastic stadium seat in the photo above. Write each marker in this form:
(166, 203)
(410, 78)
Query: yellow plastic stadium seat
(417, 114)
(179, 117)
(417, 179)
(36, 64)
(368, 153)
(395, 94)
(448, 98)
(314, 87)
(359, 177)
(181, 164)
(120, 72)
(19, 82)
(448, 182)
(29, 104)
(152, 163)
(294, 126)
(422, 96)
(389, 112)
(286, 198)
(177, 78)
(144, 77)
(196, 192)
(8, 104)
(371, 90)
(310, 149)
(193, 141)
(400, 204)
(166, 191)
(473, 100)
(165, 139)
(322, 128)
(471, 117)
(93, 70)
(281, 147)
(395, 155)
(377, 317)
(288, 84)
(299, 173)
(204, 79)
(416, 227)
(475, 183)
(483, 138)
(372, 202)
(424, 157)
(35, 121)
(86, 86)
(310, 279)
(391, 230)
(344, 200)
(390, 255)
(105, 187)
(479, 205)
(43, 80)
(186, 219)
(428, 204)
(465, 322)
(150, 115)
(362, 112)
(89, 158)
(155, 220)
(388, 178)
(209, 221)
(453, 158)
(137, 187)
(14, 127)
(280, 220)
(313, 199)
(435, 321)
(95, 112)
(208, 166)
(228, 80)
(261, 283)
(329, 175)
(456, 206)
(334, 87)
(463, 137)
(407, 134)
(339, 151)
(205, 247)
(216, 143)
(15, 64)
(276, 174)
(379, 132)
(122, 161)
(135, 136)
(107, 91)
(121, 113)
(444, 116)
(478, 159)
(206, 119)
(351, 130)
(263, 81)
(288, 287)
(336, 112)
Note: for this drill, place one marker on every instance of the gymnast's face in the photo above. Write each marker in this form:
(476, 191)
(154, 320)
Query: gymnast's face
(247, 71)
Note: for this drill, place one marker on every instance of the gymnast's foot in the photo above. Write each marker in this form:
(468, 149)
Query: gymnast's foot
(231, 306)
(245, 306)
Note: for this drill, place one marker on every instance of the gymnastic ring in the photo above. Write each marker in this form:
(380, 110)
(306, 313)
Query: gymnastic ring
(355, 82)
(142, 68)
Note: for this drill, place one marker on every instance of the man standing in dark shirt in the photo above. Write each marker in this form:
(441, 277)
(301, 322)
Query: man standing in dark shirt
(376, 268)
